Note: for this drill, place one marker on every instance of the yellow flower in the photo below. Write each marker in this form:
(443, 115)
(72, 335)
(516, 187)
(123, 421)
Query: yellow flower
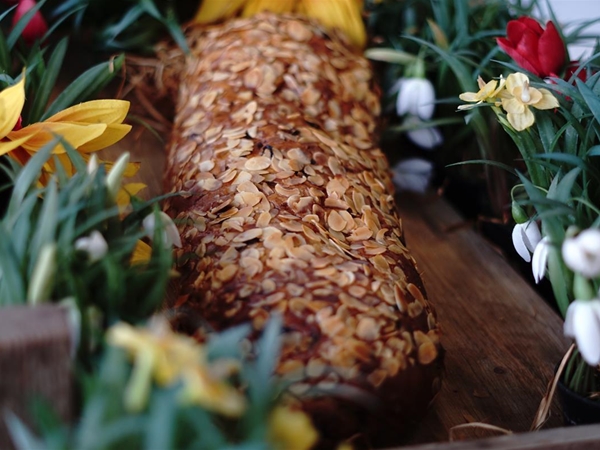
(167, 358)
(519, 96)
(487, 92)
(88, 127)
(141, 253)
(291, 429)
(342, 14)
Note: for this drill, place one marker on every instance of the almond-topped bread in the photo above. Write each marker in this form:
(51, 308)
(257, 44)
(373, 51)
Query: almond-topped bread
(289, 210)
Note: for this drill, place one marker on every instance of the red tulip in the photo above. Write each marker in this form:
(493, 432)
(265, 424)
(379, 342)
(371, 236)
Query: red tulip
(541, 52)
(36, 28)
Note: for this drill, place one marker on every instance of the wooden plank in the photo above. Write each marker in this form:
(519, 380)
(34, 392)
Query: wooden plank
(502, 340)
(35, 362)
(572, 438)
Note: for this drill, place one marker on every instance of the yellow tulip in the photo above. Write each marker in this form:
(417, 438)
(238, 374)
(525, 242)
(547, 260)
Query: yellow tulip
(88, 127)
(342, 14)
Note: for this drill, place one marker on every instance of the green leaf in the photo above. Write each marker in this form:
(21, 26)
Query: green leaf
(17, 30)
(594, 151)
(565, 186)
(12, 285)
(160, 425)
(590, 98)
(22, 437)
(46, 85)
(46, 224)
(390, 55)
(29, 175)
(86, 85)
(226, 344)
(488, 162)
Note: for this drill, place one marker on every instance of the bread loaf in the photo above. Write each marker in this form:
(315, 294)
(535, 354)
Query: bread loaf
(289, 209)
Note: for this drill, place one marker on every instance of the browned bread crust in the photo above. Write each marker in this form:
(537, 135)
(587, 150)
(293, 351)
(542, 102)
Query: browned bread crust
(290, 210)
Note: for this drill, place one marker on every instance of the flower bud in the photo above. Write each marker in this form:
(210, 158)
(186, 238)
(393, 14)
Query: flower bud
(170, 231)
(36, 28)
(42, 278)
(582, 253)
(115, 176)
(94, 245)
(518, 214)
(416, 96)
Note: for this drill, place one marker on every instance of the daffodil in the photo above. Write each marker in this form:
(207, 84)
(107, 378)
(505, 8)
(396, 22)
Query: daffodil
(88, 127)
(518, 96)
(487, 92)
(169, 358)
(291, 429)
(342, 14)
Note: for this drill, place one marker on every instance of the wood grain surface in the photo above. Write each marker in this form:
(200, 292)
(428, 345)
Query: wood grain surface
(502, 340)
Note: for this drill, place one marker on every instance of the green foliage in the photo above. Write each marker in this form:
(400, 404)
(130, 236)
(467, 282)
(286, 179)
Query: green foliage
(166, 422)
(56, 215)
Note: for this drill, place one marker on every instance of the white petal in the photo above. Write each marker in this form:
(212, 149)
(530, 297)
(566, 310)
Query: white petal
(569, 326)
(427, 138)
(587, 332)
(92, 165)
(94, 245)
(540, 259)
(518, 238)
(413, 174)
(416, 96)
(532, 235)
(582, 253)
(170, 231)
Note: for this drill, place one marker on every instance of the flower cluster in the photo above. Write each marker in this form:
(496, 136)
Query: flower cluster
(515, 95)
(556, 205)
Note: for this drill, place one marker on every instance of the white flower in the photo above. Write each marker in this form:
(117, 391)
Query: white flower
(583, 324)
(540, 259)
(92, 165)
(425, 136)
(582, 253)
(526, 237)
(413, 174)
(94, 245)
(416, 96)
(170, 232)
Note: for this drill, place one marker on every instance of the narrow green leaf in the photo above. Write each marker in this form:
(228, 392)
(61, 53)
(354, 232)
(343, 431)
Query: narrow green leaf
(46, 85)
(22, 437)
(590, 98)
(86, 85)
(46, 224)
(160, 425)
(12, 285)
(566, 184)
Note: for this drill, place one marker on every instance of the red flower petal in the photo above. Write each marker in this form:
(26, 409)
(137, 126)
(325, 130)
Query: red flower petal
(527, 49)
(36, 27)
(551, 51)
(532, 24)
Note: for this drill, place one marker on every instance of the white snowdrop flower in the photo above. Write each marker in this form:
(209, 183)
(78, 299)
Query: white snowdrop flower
(94, 245)
(583, 324)
(413, 174)
(426, 136)
(582, 253)
(416, 96)
(539, 260)
(526, 237)
(170, 231)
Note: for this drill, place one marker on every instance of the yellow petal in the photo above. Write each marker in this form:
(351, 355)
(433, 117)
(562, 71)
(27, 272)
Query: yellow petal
(291, 429)
(12, 100)
(514, 80)
(548, 101)
(130, 170)
(113, 134)
(469, 97)
(126, 192)
(141, 253)
(9, 146)
(342, 14)
(277, 6)
(521, 121)
(43, 132)
(213, 10)
(95, 111)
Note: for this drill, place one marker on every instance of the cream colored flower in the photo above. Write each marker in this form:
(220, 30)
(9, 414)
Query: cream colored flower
(487, 92)
(519, 96)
